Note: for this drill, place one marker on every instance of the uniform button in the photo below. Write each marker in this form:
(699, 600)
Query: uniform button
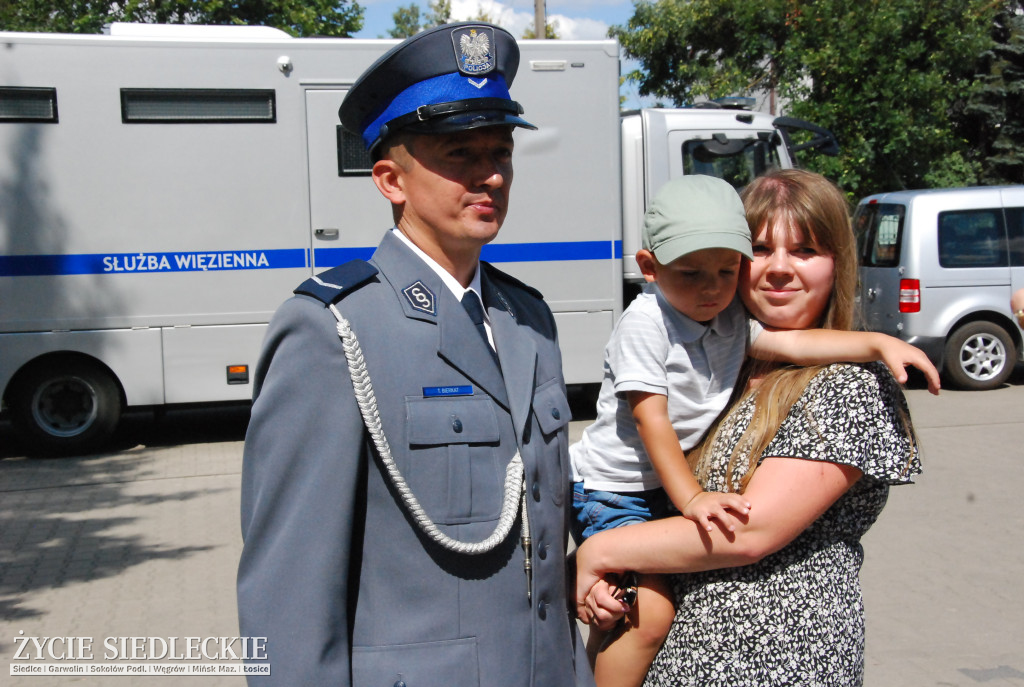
(457, 425)
(555, 414)
(535, 490)
(542, 610)
(400, 683)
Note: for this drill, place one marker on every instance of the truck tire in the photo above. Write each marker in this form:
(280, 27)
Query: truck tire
(65, 407)
(979, 356)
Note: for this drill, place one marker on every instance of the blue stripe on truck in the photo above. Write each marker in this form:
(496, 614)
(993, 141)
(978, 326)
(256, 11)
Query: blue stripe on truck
(498, 252)
(115, 263)
(215, 261)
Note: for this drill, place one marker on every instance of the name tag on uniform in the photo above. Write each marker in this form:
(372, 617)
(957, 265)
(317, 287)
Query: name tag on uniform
(431, 391)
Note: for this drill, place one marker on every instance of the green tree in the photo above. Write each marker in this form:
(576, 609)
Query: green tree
(886, 76)
(550, 31)
(440, 13)
(410, 20)
(298, 17)
(56, 16)
(993, 118)
(407, 21)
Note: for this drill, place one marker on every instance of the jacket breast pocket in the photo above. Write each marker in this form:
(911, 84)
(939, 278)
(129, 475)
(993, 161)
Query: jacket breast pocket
(454, 449)
(451, 663)
(551, 409)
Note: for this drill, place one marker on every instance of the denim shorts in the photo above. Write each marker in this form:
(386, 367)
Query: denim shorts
(595, 510)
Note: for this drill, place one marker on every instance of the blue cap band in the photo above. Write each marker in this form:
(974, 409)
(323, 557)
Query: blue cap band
(439, 89)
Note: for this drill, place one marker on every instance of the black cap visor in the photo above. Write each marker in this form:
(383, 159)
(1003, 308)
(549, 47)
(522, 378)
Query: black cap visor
(441, 119)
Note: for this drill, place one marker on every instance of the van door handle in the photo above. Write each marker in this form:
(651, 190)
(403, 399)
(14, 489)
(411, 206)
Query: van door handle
(871, 294)
(326, 234)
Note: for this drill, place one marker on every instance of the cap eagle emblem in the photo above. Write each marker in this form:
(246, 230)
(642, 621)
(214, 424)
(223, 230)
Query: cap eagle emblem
(476, 52)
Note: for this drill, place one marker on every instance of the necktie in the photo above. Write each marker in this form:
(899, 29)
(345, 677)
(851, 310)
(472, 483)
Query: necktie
(471, 302)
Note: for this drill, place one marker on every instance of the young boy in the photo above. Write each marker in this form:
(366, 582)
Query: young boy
(670, 368)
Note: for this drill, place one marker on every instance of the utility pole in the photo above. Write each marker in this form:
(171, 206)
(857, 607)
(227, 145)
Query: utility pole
(539, 23)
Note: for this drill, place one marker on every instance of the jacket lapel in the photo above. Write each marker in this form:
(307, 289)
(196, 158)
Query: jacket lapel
(517, 354)
(461, 345)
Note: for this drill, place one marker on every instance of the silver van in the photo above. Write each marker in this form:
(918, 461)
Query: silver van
(937, 268)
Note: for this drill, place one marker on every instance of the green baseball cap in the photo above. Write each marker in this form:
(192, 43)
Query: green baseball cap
(692, 213)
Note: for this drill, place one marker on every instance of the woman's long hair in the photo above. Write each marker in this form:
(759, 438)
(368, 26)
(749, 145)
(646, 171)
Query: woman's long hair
(809, 203)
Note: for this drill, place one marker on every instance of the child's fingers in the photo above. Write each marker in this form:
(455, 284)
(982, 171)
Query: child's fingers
(735, 502)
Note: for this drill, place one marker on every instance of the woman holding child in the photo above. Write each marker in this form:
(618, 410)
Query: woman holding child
(812, 449)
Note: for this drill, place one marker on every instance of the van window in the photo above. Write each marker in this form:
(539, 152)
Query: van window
(972, 238)
(879, 230)
(1015, 230)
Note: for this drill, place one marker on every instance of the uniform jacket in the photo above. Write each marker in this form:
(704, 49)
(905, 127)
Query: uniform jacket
(333, 571)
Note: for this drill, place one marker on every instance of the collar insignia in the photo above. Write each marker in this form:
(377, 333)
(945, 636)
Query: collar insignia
(421, 298)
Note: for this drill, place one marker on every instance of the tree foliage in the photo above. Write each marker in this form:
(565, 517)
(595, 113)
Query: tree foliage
(550, 30)
(409, 20)
(297, 17)
(886, 76)
(993, 118)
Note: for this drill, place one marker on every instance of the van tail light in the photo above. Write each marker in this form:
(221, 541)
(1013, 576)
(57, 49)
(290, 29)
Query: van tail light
(910, 295)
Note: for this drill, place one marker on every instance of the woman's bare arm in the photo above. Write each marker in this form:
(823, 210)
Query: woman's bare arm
(789, 494)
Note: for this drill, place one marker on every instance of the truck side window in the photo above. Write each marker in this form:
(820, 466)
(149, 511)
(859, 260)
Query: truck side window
(972, 238)
(19, 104)
(198, 105)
(1015, 231)
(353, 158)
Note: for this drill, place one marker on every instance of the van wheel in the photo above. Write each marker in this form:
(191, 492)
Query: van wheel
(66, 407)
(979, 356)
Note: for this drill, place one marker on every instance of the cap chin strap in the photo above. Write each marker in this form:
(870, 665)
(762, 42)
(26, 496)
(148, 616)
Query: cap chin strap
(425, 113)
(515, 487)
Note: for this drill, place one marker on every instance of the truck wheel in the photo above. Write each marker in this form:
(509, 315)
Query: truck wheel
(66, 407)
(979, 356)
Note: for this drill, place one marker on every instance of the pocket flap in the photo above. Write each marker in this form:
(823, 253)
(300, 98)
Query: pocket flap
(466, 420)
(551, 407)
(452, 663)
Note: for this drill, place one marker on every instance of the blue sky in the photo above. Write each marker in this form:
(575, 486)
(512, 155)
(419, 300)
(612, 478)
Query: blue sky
(577, 20)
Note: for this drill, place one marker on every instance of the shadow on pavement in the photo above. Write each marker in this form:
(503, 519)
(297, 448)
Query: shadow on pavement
(74, 519)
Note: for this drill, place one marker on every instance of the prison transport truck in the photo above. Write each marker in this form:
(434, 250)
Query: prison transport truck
(163, 190)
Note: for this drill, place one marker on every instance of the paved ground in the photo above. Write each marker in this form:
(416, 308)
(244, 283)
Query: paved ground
(144, 541)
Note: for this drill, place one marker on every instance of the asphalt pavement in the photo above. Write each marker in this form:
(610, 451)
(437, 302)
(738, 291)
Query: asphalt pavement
(142, 542)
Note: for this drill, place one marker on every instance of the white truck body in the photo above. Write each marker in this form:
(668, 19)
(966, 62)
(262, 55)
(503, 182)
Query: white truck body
(163, 189)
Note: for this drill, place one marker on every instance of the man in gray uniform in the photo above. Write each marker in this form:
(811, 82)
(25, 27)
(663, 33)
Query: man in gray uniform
(409, 529)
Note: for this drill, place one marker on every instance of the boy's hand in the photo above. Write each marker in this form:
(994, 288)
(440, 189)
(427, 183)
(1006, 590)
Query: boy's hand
(603, 606)
(721, 506)
(897, 354)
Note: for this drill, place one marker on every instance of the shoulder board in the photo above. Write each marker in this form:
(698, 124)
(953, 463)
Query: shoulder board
(496, 274)
(332, 285)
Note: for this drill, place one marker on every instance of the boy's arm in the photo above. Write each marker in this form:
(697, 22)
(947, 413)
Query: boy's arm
(820, 346)
(650, 412)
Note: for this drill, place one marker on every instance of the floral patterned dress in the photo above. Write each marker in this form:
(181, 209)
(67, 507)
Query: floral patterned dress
(796, 617)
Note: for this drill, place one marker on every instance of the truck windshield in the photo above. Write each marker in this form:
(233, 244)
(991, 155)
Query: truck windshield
(737, 161)
(879, 231)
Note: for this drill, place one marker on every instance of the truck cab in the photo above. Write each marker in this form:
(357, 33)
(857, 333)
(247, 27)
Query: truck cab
(721, 139)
